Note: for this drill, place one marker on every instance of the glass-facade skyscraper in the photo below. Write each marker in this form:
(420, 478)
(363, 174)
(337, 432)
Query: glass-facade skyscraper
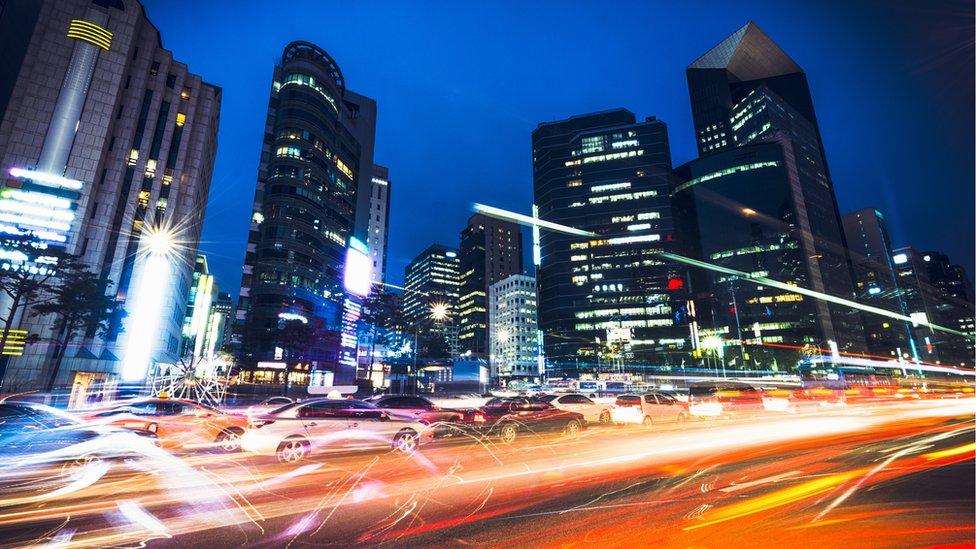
(607, 301)
(746, 90)
(310, 206)
(490, 250)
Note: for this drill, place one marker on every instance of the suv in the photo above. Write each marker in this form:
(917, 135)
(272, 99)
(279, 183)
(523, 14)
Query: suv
(650, 409)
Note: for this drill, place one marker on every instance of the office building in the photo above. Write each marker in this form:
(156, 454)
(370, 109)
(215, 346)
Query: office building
(876, 283)
(379, 221)
(199, 304)
(104, 140)
(609, 300)
(515, 342)
(746, 90)
(927, 301)
(491, 249)
(218, 325)
(308, 227)
(430, 299)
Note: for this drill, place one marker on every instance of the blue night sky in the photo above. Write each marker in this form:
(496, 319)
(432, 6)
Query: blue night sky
(461, 85)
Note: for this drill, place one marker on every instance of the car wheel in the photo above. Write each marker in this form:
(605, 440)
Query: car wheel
(75, 466)
(572, 428)
(229, 441)
(508, 433)
(648, 422)
(605, 417)
(405, 442)
(292, 450)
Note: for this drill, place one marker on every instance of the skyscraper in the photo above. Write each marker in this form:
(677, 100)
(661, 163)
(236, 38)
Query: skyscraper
(200, 301)
(379, 221)
(310, 213)
(609, 296)
(514, 339)
(491, 249)
(432, 281)
(747, 90)
(876, 282)
(925, 300)
(103, 135)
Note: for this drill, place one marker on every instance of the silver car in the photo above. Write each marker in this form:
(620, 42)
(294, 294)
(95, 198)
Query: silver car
(292, 433)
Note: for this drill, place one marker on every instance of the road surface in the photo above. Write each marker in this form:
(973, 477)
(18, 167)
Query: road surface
(886, 475)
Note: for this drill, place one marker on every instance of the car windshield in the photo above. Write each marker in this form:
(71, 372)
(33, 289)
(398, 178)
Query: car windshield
(702, 390)
(547, 398)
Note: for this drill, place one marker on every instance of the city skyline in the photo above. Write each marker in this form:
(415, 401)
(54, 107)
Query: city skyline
(853, 98)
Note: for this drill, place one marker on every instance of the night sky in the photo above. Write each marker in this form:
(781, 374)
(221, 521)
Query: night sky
(461, 85)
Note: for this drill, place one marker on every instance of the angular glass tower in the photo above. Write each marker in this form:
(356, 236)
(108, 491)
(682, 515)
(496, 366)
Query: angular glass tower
(747, 90)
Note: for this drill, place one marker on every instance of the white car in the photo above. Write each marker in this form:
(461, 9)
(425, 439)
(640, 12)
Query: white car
(326, 425)
(269, 405)
(650, 409)
(593, 412)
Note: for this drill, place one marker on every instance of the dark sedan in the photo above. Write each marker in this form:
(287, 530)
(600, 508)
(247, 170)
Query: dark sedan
(507, 418)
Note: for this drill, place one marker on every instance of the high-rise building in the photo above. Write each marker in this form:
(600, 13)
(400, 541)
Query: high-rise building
(491, 249)
(104, 137)
(199, 303)
(927, 301)
(747, 90)
(876, 283)
(309, 222)
(514, 333)
(431, 286)
(218, 324)
(609, 298)
(379, 221)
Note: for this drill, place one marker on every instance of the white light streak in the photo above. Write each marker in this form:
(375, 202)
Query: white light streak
(48, 179)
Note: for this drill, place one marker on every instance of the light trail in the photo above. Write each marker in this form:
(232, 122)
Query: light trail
(529, 221)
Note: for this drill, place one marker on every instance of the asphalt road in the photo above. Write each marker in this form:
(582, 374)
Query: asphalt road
(887, 475)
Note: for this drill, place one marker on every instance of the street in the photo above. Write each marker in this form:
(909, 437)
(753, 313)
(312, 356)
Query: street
(875, 475)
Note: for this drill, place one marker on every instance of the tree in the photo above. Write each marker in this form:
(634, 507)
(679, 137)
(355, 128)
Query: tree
(79, 305)
(28, 284)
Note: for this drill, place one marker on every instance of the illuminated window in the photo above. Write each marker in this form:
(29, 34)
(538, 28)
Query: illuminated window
(293, 152)
(180, 119)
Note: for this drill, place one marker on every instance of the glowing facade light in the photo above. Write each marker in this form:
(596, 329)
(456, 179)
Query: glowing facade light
(439, 311)
(151, 282)
(357, 278)
(900, 258)
(293, 316)
(48, 179)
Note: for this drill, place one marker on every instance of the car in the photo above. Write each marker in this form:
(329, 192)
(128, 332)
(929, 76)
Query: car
(593, 412)
(44, 448)
(178, 424)
(293, 433)
(723, 399)
(650, 409)
(269, 405)
(444, 421)
(508, 417)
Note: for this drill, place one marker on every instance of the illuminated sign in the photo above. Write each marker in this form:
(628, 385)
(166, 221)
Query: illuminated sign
(900, 258)
(272, 365)
(90, 32)
(15, 343)
(359, 269)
